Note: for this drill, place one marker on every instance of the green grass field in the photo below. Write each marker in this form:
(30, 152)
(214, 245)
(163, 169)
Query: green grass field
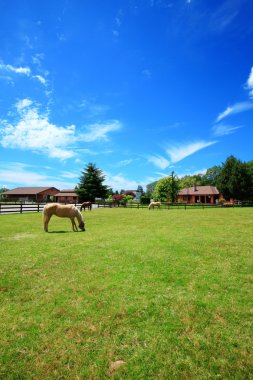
(162, 294)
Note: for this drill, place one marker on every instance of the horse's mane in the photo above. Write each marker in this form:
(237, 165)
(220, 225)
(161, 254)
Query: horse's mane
(79, 215)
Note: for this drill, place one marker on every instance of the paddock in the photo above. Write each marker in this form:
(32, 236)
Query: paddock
(162, 292)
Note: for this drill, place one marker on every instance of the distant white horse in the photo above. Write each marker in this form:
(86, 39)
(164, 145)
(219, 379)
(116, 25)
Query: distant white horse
(154, 204)
(64, 211)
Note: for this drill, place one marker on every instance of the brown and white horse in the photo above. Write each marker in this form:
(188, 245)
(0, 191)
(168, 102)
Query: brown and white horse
(63, 211)
(154, 204)
(85, 205)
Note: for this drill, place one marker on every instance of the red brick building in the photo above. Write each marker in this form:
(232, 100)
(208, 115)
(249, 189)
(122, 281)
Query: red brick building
(31, 194)
(199, 194)
(67, 196)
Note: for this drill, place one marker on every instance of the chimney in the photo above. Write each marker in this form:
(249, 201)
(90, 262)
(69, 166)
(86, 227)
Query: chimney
(194, 187)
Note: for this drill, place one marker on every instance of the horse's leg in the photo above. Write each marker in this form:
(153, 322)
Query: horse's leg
(46, 221)
(74, 224)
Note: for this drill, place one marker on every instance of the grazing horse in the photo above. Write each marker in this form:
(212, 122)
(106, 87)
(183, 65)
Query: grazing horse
(86, 204)
(64, 211)
(154, 204)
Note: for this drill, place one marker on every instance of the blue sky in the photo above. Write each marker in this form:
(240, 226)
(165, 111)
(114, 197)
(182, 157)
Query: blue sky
(141, 88)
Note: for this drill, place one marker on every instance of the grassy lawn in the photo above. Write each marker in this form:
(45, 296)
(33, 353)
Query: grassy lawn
(162, 294)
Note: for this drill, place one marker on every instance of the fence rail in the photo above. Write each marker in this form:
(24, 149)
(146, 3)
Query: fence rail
(167, 206)
(20, 208)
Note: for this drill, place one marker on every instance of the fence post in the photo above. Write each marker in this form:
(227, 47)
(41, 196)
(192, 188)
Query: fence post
(38, 207)
(21, 210)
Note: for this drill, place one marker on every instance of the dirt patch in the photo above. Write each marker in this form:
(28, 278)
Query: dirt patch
(23, 236)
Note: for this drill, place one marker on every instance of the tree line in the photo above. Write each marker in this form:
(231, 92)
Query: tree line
(233, 179)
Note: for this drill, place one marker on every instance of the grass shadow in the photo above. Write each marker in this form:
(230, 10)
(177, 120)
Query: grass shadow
(63, 232)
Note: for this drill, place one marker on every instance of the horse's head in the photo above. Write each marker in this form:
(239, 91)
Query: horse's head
(82, 226)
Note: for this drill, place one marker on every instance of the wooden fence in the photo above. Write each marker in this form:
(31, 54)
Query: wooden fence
(167, 206)
(19, 208)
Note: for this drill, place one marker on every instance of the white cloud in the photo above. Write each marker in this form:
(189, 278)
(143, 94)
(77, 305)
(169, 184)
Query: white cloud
(17, 70)
(124, 163)
(240, 106)
(236, 108)
(250, 79)
(15, 173)
(249, 85)
(100, 131)
(32, 130)
(92, 108)
(40, 78)
(195, 172)
(178, 153)
(159, 161)
(24, 103)
(119, 182)
(224, 129)
(35, 132)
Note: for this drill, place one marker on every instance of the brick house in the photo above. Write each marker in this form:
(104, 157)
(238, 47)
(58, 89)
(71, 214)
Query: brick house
(67, 196)
(199, 194)
(31, 194)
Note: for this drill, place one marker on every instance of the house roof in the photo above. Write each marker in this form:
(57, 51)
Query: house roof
(66, 193)
(199, 190)
(28, 190)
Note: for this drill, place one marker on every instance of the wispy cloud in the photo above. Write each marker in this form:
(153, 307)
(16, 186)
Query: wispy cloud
(240, 106)
(120, 182)
(16, 70)
(224, 129)
(117, 23)
(179, 152)
(124, 163)
(92, 108)
(159, 161)
(224, 15)
(10, 69)
(40, 78)
(234, 109)
(249, 84)
(100, 131)
(14, 173)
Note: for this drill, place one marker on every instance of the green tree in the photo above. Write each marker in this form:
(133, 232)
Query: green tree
(91, 184)
(211, 176)
(2, 190)
(235, 180)
(166, 189)
(190, 180)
